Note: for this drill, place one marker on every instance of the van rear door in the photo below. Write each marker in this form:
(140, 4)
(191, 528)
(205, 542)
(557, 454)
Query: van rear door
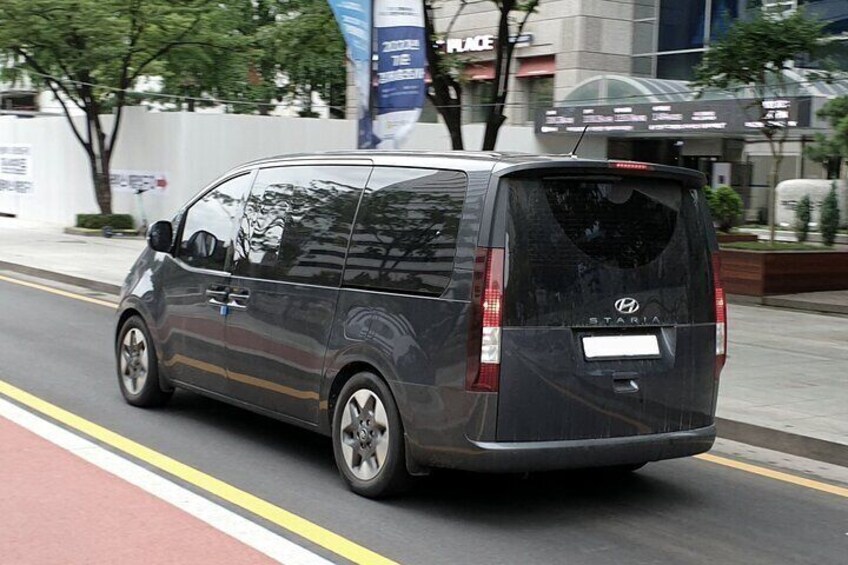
(609, 324)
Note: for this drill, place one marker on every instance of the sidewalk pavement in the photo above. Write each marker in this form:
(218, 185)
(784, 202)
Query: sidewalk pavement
(785, 386)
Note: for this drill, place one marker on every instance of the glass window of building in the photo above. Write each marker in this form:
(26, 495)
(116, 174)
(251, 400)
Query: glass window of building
(681, 24)
(540, 95)
(477, 97)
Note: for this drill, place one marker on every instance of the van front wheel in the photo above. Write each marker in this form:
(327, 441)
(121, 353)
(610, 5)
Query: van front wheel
(368, 441)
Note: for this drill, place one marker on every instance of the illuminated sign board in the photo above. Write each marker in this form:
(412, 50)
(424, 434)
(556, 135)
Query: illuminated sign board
(677, 117)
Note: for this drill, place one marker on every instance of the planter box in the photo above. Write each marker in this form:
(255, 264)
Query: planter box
(764, 273)
(736, 237)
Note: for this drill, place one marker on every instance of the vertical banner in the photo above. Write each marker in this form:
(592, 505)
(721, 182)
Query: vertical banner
(354, 18)
(401, 62)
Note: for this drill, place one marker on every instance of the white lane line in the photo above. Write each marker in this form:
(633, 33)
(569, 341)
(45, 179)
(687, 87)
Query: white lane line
(261, 539)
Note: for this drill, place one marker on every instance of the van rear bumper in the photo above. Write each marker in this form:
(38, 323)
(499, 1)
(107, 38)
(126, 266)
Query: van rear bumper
(509, 457)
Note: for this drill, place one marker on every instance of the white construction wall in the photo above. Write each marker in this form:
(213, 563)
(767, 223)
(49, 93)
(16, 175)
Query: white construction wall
(193, 149)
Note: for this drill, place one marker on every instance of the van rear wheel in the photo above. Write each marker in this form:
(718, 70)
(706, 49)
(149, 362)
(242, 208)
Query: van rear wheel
(368, 441)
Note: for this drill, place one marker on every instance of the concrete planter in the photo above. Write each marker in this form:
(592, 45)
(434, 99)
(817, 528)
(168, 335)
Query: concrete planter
(764, 273)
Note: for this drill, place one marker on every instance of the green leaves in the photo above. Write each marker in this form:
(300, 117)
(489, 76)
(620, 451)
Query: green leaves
(755, 52)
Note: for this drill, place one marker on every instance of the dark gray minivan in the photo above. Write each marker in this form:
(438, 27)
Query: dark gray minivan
(479, 311)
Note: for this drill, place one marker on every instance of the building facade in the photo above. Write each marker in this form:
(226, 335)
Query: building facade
(621, 69)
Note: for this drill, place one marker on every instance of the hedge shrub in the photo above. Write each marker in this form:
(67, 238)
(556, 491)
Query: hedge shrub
(725, 207)
(829, 222)
(99, 221)
(803, 215)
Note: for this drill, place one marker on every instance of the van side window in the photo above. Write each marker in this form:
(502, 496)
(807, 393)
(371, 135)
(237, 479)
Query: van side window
(207, 234)
(405, 234)
(297, 223)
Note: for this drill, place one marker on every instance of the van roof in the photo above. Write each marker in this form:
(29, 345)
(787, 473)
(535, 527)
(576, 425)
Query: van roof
(499, 162)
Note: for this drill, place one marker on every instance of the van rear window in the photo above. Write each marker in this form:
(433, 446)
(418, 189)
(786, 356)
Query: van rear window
(575, 244)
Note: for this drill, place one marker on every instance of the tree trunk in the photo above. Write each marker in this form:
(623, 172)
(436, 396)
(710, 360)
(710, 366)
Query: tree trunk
(503, 61)
(445, 92)
(452, 115)
(100, 157)
(493, 127)
(772, 196)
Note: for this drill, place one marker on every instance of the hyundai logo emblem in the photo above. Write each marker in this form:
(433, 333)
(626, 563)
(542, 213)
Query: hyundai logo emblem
(627, 305)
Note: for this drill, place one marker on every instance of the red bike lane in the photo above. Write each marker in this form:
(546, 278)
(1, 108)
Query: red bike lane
(58, 508)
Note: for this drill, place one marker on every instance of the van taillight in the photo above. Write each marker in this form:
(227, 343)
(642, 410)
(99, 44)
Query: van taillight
(720, 316)
(484, 368)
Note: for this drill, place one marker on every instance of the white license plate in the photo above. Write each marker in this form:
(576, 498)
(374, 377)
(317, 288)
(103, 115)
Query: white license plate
(613, 346)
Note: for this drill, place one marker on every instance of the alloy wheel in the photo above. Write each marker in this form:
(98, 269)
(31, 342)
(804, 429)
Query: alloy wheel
(364, 434)
(134, 361)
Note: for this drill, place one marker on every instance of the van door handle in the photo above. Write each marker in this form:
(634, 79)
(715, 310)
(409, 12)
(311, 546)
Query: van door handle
(217, 296)
(237, 299)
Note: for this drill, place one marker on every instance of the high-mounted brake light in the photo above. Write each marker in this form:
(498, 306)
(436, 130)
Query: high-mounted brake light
(631, 166)
(484, 371)
(720, 316)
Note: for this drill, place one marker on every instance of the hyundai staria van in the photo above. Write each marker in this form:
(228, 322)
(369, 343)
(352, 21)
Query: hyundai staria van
(479, 311)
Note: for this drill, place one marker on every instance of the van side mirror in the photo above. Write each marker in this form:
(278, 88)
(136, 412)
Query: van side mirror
(160, 236)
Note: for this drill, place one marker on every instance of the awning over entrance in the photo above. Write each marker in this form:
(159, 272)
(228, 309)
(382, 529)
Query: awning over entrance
(483, 70)
(536, 67)
(632, 106)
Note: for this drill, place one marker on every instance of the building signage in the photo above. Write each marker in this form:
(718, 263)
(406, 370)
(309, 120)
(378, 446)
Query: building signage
(401, 62)
(679, 117)
(16, 174)
(138, 181)
(480, 43)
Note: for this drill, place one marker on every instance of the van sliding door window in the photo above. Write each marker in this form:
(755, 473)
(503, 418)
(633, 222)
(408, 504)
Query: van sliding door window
(206, 240)
(405, 234)
(297, 223)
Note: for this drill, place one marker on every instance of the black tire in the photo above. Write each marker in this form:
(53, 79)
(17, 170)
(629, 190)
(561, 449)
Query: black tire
(361, 433)
(143, 390)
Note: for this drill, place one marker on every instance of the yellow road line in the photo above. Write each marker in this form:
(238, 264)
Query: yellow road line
(776, 475)
(58, 292)
(283, 518)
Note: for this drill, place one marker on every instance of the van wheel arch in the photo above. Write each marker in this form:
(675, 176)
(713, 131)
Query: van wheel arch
(342, 377)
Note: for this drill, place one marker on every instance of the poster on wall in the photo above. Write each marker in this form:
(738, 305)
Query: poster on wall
(401, 63)
(16, 174)
(137, 182)
(354, 19)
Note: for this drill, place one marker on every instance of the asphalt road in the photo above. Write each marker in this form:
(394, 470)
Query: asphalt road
(685, 511)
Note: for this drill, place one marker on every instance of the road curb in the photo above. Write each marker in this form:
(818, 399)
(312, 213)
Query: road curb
(97, 286)
(788, 304)
(785, 442)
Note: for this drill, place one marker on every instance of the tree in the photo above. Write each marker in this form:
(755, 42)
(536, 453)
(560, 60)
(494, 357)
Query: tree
(445, 90)
(287, 49)
(90, 53)
(243, 74)
(829, 150)
(753, 58)
(311, 55)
